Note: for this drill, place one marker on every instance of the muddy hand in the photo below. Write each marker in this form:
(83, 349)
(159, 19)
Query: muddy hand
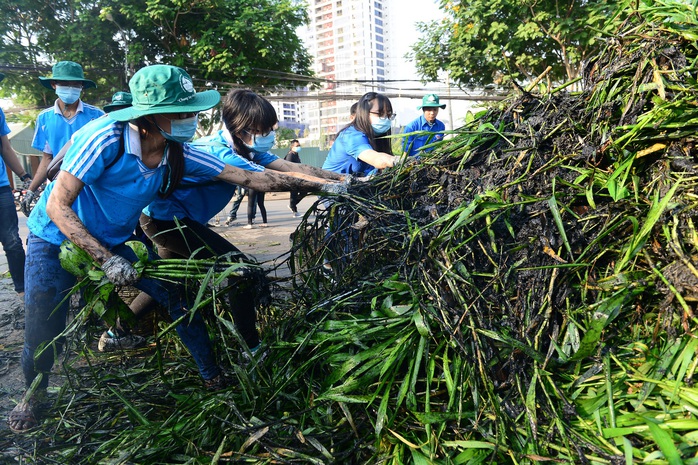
(119, 271)
(26, 204)
(334, 188)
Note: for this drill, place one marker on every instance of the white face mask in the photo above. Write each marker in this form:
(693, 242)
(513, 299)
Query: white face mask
(68, 94)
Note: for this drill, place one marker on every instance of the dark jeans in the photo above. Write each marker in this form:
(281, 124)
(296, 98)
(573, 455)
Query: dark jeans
(9, 236)
(296, 197)
(47, 284)
(193, 237)
(255, 199)
(237, 200)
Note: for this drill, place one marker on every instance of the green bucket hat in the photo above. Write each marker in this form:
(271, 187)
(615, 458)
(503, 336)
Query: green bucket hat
(164, 89)
(66, 71)
(430, 101)
(118, 100)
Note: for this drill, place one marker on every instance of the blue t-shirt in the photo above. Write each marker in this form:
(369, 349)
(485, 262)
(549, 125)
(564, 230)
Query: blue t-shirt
(53, 129)
(344, 154)
(200, 198)
(112, 199)
(414, 143)
(4, 130)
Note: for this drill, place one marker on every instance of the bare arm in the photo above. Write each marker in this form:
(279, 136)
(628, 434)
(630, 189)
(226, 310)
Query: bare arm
(59, 209)
(40, 175)
(288, 167)
(378, 160)
(10, 157)
(272, 181)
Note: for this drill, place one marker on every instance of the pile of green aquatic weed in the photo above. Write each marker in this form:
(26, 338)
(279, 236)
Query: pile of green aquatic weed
(525, 293)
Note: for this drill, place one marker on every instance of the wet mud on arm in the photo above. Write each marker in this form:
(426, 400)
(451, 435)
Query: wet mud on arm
(272, 181)
(59, 209)
(287, 167)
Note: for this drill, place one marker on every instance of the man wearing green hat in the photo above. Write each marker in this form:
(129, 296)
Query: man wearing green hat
(55, 125)
(9, 225)
(427, 129)
(118, 101)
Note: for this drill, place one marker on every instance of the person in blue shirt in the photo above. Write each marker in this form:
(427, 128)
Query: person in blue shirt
(360, 147)
(55, 125)
(115, 167)
(9, 225)
(244, 142)
(427, 129)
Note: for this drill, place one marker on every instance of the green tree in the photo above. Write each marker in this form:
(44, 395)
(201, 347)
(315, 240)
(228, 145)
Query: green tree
(284, 136)
(484, 42)
(221, 43)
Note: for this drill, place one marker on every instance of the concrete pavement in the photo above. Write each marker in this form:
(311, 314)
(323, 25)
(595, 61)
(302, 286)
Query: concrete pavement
(264, 244)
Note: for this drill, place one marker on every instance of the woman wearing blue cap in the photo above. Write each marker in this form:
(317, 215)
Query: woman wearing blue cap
(114, 168)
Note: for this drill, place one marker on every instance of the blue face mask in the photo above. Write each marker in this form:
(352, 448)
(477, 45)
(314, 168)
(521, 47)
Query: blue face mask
(297, 149)
(68, 94)
(182, 130)
(382, 126)
(262, 144)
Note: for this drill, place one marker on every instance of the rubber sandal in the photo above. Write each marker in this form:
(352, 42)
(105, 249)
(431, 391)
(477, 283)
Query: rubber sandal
(24, 416)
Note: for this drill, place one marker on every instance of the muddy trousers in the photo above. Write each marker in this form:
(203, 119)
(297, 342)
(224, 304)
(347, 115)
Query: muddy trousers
(46, 286)
(182, 242)
(9, 237)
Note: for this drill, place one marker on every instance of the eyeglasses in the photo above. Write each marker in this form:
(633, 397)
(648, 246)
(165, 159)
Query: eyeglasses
(254, 136)
(390, 116)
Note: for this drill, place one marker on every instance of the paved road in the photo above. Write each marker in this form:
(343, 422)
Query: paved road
(265, 244)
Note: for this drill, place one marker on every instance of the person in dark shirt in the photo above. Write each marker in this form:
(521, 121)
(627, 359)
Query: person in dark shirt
(293, 157)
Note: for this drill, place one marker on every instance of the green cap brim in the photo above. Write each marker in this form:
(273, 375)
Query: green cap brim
(201, 101)
(46, 82)
(115, 106)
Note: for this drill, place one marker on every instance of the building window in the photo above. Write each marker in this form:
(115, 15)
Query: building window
(377, 5)
(379, 22)
(379, 30)
(380, 72)
(380, 63)
(379, 39)
(379, 47)
(379, 55)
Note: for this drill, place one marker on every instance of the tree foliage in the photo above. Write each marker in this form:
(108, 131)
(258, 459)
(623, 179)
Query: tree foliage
(484, 42)
(221, 43)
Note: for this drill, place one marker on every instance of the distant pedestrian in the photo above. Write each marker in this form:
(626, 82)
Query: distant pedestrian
(255, 199)
(55, 125)
(294, 157)
(9, 225)
(237, 200)
(432, 130)
(118, 101)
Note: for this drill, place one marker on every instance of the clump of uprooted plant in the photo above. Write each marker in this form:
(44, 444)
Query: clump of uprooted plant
(525, 292)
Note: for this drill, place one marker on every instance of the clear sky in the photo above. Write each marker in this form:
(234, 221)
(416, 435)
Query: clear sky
(407, 14)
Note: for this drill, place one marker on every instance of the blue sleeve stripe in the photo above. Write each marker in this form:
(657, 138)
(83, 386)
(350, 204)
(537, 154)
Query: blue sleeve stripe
(92, 150)
(203, 158)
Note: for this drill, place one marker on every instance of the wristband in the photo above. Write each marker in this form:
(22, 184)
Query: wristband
(25, 176)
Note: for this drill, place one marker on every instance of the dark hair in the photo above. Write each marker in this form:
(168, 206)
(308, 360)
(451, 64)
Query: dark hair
(362, 120)
(352, 110)
(295, 141)
(243, 110)
(174, 169)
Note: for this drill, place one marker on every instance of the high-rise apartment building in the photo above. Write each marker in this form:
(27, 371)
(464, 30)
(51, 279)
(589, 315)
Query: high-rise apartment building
(348, 39)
